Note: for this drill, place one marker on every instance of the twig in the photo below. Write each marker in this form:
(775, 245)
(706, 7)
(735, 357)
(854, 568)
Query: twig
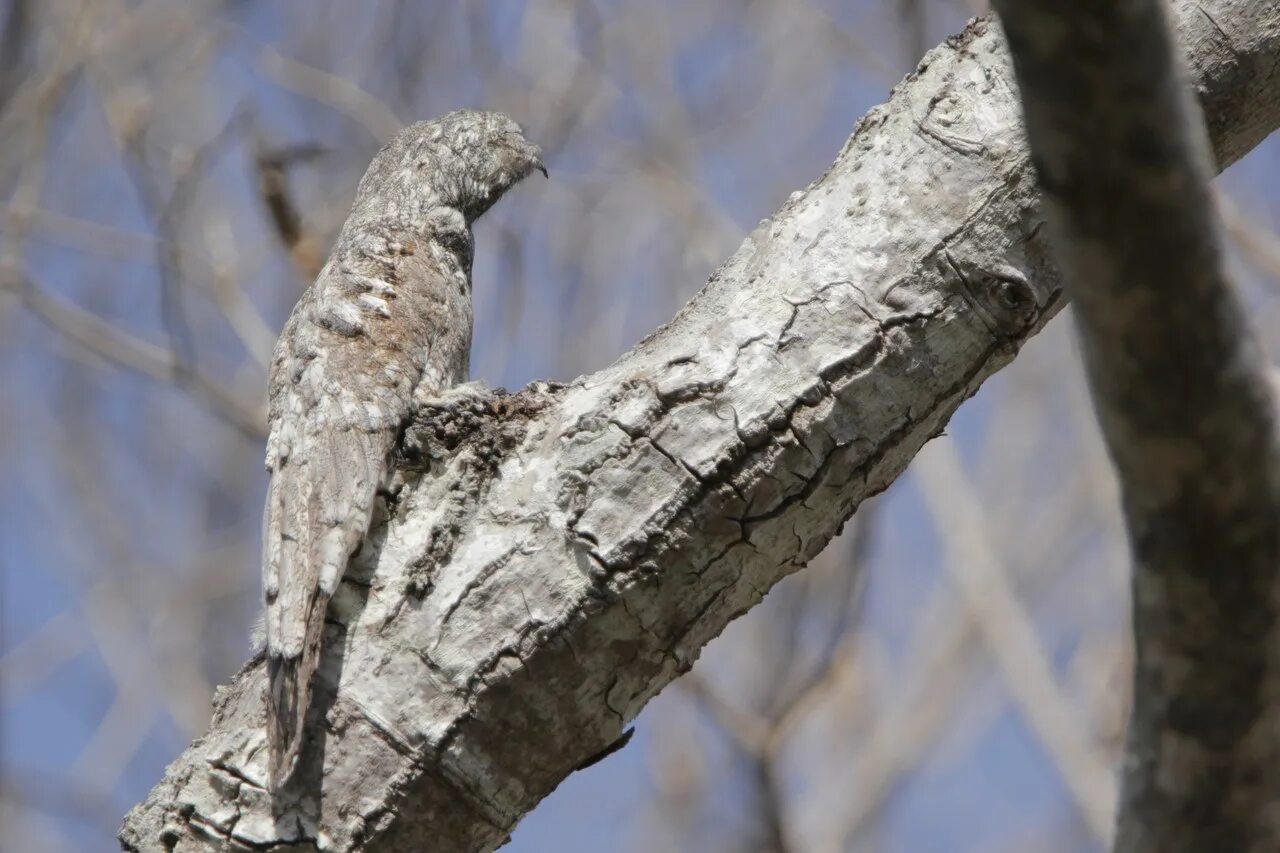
(113, 344)
(977, 571)
(342, 95)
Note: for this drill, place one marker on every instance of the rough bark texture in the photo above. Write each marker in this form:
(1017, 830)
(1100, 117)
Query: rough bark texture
(557, 557)
(1182, 392)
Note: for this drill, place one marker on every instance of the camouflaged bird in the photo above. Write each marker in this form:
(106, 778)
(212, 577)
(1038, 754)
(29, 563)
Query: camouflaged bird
(387, 319)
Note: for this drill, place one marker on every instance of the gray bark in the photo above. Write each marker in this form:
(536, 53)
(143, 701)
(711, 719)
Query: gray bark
(1181, 389)
(557, 556)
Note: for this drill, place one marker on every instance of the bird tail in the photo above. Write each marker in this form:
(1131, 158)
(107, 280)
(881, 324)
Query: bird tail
(289, 679)
(294, 627)
(317, 513)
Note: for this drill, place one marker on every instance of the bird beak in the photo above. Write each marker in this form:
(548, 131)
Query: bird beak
(534, 155)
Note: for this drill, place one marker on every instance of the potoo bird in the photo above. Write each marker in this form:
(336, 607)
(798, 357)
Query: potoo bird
(388, 318)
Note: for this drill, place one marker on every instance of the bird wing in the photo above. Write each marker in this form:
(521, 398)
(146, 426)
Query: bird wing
(333, 426)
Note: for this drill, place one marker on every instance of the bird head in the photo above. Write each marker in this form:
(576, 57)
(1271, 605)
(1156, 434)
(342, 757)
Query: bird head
(465, 160)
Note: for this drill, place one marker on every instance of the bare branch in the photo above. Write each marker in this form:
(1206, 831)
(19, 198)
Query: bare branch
(342, 95)
(984, 585)
(272, 167)
(1260, 244)
(119, 347)
(1184, 401)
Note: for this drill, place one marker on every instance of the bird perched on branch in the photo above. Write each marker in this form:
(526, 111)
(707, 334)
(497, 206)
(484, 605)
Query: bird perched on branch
(387, 319)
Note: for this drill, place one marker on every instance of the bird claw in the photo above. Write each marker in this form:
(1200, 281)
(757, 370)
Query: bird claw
(469, 396)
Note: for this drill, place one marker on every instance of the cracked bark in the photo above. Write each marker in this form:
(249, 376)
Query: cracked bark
(555, 558)
(1182, 392)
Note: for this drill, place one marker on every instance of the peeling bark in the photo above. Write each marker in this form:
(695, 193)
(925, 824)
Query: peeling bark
(555, 557)
(1181, 389)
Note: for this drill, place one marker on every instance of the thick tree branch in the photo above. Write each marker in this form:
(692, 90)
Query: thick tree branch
(1182, 392)
(551, 562)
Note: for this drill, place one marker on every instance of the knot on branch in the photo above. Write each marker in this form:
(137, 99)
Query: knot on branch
(472, 421)
(1000, 294)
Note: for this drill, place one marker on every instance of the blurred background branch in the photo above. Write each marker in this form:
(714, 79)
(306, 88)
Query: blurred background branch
(1185, 401)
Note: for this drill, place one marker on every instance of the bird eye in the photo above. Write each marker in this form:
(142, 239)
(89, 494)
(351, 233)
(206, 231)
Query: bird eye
(456, 243)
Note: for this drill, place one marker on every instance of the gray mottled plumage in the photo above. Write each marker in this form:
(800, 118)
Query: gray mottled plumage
(388, 317)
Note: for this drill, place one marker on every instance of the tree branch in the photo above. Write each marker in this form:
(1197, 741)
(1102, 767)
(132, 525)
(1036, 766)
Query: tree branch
(551, 561)
(1181, 389)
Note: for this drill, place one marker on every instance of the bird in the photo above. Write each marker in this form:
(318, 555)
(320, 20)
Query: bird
(387, 321)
